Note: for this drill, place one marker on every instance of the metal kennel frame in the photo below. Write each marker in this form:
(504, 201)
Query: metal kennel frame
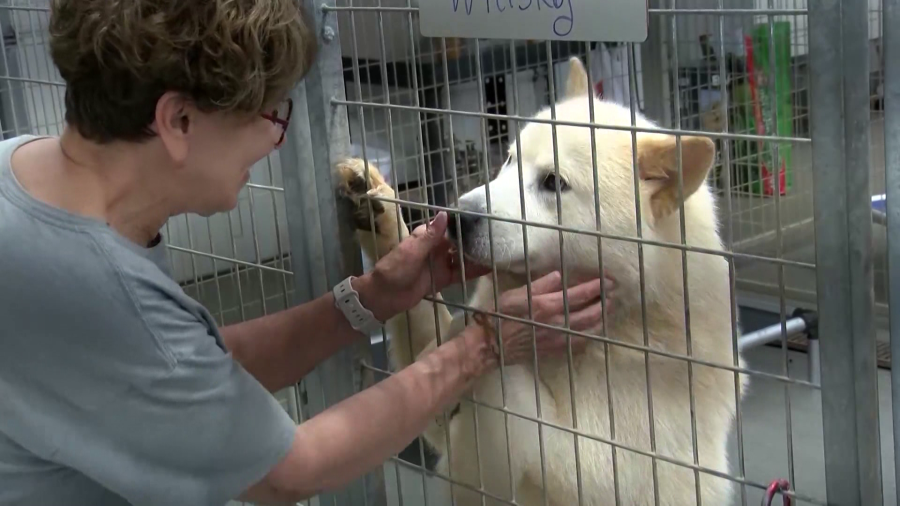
(437, 114)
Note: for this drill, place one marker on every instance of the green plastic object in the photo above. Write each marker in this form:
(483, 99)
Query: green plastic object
(755, 162)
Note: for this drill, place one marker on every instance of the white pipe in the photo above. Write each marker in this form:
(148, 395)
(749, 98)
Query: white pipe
(772, 333)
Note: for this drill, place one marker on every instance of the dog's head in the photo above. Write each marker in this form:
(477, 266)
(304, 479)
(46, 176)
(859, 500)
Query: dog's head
(530, 187)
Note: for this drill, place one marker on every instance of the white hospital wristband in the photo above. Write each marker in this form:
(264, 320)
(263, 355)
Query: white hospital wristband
(347, 300)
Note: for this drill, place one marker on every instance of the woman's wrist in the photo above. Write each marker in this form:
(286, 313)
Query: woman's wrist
(371, 297)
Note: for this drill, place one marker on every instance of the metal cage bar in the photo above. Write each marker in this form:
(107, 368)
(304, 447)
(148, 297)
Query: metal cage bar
(891, 35)
(318, 139)
(840, 134)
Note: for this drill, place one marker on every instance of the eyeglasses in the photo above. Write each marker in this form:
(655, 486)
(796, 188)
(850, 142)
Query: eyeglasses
(281, 116)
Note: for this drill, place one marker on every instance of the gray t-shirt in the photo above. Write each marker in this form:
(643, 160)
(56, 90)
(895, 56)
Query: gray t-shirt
(115, 386)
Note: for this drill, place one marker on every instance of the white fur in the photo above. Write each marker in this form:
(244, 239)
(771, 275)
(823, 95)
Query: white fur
(624, 371)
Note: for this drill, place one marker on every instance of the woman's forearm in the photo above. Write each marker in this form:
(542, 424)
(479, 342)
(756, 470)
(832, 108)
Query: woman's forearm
(358, 434)
(281, 348)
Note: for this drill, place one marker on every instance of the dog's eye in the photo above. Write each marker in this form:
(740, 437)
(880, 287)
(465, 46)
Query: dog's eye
(551, 182)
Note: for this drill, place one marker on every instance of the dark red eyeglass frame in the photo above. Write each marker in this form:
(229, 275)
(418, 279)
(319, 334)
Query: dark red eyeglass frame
(283, 122)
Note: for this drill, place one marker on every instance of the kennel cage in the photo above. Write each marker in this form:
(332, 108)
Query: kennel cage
(808, 86)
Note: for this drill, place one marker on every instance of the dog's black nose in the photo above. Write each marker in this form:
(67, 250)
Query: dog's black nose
(466, 224)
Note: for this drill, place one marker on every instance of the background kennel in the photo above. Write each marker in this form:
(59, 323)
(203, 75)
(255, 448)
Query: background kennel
(810, 263)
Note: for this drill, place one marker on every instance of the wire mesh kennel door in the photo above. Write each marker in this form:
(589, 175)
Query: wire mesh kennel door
(414, 98)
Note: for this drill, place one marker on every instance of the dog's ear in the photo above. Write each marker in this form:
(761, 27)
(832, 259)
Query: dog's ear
(577, 83)
(658, 168)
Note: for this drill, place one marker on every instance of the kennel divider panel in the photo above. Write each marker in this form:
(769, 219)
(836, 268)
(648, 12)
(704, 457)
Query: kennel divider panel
(891, 76)
(843, 251)
(321, 228)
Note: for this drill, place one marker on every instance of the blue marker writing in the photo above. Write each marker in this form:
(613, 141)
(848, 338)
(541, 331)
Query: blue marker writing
(468, 6)
(562, 26)
(568, 22)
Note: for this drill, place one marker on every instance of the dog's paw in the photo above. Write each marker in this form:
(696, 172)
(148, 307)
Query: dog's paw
(353, 185)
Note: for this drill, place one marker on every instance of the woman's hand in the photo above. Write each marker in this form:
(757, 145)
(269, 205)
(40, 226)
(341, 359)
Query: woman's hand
(518, 340)
(426, 259)
(407, 274)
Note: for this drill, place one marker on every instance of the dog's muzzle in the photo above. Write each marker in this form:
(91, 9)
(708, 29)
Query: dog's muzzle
(459, 232)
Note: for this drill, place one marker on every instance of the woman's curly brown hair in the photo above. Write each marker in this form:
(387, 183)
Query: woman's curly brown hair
(118, 57)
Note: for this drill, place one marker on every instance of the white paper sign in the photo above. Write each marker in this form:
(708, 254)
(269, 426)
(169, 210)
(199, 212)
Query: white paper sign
(581, 20)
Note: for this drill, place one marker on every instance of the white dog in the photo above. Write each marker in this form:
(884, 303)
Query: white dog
(608, 380)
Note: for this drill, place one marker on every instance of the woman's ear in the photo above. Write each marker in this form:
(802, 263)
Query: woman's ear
(173, 124)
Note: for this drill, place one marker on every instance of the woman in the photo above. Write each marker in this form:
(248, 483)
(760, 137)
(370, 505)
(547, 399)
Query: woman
(116, 387)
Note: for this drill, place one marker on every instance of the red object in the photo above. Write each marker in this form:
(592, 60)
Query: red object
(779, 485)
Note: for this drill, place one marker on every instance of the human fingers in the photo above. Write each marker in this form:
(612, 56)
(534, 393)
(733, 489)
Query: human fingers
(521, 340)
(551, 341)
(426, 237)
(516, 302)
(546, 284)
(590, 317)
(578, 296)
(546, 343)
